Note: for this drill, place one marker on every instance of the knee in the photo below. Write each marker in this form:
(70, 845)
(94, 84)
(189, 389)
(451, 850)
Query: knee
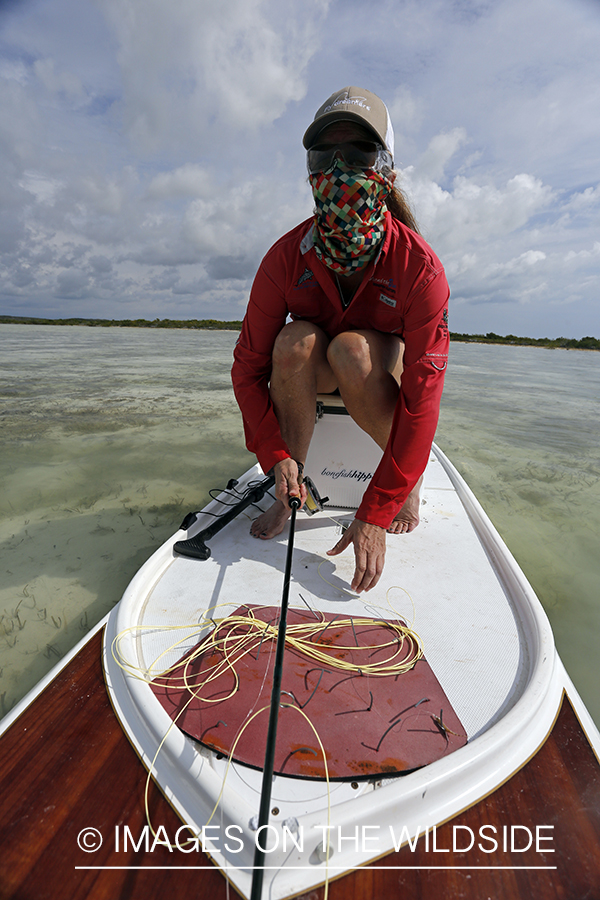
(357, 355)
(349, 354)
(295, 344)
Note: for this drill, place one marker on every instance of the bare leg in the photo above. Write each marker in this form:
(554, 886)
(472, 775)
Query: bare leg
(368, 368)
(300, 371)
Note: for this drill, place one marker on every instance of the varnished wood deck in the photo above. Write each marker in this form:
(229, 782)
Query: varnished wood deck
(66, 765)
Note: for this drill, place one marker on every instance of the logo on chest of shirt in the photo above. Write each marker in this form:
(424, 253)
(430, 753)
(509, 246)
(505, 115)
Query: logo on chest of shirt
(306, 276)
(387, 283)
(387, 300)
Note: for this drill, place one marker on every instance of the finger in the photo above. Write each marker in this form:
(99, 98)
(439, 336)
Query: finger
(301, 494)
(370, 580)
(369, 566)
(281, 488)
(359, 570)
(341, 545)
(287, 481)
(295, 488)
(372, 573)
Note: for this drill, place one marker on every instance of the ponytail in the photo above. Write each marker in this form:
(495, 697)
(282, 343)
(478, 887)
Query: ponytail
(399, 207)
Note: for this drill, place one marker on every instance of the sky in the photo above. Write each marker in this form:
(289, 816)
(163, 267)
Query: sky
(151, 150)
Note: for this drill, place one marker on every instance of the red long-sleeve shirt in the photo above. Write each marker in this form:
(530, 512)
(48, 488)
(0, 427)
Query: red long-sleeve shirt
(404, 292)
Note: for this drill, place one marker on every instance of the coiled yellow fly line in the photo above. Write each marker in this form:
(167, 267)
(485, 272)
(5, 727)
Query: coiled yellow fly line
(146, 676)
(235, 645)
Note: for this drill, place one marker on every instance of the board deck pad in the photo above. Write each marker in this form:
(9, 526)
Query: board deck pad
(368, 724)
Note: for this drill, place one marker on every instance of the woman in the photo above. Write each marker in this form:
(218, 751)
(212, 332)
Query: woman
(368, 301)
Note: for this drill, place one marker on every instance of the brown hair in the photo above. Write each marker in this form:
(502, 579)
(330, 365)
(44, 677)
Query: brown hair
(398, 205)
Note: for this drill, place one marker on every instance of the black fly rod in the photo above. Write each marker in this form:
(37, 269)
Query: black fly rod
(265, 796)
(196, 547)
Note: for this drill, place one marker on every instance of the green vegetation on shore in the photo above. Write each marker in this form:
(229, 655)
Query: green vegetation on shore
(586, 343)
(205, 324)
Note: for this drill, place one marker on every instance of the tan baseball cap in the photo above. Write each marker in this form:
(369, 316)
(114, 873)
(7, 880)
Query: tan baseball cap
(353, 104)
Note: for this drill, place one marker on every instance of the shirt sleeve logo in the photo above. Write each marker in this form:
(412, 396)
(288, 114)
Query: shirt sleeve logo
(444, 322)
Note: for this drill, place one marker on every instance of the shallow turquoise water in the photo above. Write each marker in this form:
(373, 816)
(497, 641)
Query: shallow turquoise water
(110, 435)
(522, 426)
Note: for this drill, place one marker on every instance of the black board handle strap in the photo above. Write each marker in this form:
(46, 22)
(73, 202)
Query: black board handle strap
(196, 548)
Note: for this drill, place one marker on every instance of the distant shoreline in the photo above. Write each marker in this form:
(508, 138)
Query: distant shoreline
(585, 343)
(203, 324)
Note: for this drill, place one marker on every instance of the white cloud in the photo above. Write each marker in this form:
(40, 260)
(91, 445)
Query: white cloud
(101, 195)
(405, 111)
(186, 181)
(583, 201)
(238, 224)
(43, 188)
(54, 81)
(584, 254)
(469, 212)
(432, 164)
(235, 63)
(13, 70)
(518, 264)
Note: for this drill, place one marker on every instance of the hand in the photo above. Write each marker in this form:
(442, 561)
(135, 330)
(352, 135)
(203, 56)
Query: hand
(369, 550)
(286, 482)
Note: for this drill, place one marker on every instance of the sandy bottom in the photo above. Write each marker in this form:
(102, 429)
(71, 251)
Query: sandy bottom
(523, 429)
(82, 525)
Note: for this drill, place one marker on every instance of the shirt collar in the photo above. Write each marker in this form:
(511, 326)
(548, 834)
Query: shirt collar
(307, 241)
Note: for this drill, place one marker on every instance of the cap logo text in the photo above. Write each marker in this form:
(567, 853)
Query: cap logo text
(344, 99)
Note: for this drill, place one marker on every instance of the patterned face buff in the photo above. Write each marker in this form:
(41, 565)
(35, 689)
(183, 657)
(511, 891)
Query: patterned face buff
(350, 219)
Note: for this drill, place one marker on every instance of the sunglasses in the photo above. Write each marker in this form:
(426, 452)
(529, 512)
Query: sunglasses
(356, 155)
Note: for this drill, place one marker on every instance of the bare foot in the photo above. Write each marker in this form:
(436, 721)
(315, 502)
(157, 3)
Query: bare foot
(270, 522)
(408, 517)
